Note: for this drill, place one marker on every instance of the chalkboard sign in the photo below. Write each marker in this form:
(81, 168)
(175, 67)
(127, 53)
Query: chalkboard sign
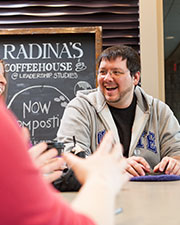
(45, 67)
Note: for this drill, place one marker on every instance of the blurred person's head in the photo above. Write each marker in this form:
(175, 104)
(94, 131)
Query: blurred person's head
(3, 80)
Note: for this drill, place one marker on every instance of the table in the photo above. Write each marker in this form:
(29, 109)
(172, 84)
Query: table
(147, 203)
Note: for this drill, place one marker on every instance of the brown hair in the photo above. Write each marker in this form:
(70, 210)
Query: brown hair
(126, 52)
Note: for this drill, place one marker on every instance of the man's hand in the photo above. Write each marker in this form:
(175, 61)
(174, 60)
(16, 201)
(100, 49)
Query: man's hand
(137, 166)
(168, 165)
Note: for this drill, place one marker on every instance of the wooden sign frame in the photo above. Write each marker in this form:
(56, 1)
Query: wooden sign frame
(79, 46)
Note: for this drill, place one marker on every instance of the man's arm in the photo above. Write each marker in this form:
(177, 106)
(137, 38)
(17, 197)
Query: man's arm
(169, 132)
(169, 136)
(76, 121)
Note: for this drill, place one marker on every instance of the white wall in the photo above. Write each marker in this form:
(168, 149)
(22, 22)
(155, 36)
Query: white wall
(152, 47)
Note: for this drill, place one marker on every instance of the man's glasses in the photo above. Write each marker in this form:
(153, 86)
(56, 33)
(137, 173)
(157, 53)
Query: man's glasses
(113, 73)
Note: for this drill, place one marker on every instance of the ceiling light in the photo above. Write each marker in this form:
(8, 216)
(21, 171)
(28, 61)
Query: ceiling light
(169, 37)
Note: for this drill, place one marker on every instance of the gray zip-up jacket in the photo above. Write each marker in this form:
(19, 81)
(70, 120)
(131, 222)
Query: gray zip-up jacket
(155, 131)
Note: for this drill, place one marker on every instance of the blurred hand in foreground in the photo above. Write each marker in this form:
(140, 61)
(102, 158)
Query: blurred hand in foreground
(47, 162)
(106, 164)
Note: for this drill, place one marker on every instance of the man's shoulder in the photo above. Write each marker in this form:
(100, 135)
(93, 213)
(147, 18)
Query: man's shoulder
(87, 93)
(150, 101)
(84, 96)
(91, 97)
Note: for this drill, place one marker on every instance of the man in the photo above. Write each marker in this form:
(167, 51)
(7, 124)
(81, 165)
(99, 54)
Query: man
(146, 127)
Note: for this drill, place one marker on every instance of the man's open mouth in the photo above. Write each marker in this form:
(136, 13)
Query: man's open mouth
(110, 88)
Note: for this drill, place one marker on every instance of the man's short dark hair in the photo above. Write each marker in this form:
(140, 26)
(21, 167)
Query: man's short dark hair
(126, 52)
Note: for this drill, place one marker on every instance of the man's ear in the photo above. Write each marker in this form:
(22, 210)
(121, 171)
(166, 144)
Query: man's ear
(136, 78)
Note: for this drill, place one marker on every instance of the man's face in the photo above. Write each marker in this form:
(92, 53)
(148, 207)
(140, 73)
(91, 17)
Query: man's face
(116, 83)
(3, 81)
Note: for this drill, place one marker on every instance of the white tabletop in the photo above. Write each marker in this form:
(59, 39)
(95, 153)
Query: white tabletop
(147, 203)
